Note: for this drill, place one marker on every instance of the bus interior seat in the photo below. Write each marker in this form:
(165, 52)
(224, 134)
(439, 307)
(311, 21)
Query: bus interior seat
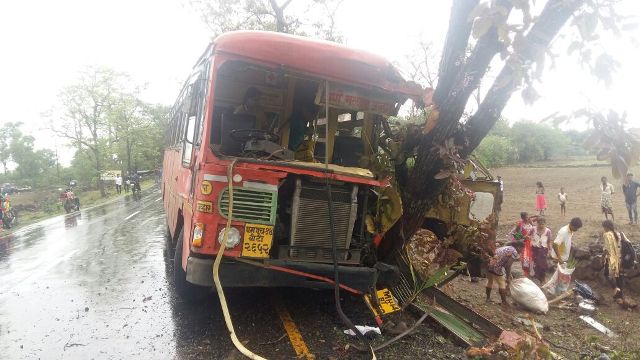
(319, 151)
(347, 151)
(231, 122)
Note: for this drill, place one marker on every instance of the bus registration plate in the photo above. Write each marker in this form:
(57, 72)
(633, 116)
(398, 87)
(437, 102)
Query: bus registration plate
(257, 240)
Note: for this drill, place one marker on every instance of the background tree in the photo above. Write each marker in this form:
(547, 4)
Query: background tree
(87, 106)
(497, 151)
(312, 18)
(7, 132)
(485, 29)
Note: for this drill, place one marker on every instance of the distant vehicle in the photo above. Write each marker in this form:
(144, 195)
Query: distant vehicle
(8, 188)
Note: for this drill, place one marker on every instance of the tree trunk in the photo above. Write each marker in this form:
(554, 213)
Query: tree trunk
(279, 14)
(458, 77)
(128, 145)
(97, 154)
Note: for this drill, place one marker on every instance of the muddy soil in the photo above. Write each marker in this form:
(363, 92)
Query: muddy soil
(562, 326)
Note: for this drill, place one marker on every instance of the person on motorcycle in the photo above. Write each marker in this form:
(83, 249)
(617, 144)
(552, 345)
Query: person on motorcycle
(135, 182)
(68, 195)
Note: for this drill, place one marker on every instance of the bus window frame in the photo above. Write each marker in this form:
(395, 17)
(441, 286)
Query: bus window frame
(193, 107)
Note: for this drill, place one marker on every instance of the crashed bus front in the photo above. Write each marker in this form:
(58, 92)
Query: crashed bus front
(299, 121)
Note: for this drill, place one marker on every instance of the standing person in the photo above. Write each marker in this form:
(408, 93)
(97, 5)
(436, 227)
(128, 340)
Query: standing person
(127, 182)
(605, 198)
(612, 255)
(499, 196)
(541, 202)
(540, 244)
(630, 190)
(118, 184)
(522, 232)
(561, 246)
(562, 197)
(499, 269)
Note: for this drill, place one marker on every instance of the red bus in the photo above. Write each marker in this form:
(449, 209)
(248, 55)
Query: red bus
(259, 99)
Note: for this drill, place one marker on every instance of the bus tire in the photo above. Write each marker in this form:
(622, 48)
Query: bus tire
(186, 290)
(169, 245)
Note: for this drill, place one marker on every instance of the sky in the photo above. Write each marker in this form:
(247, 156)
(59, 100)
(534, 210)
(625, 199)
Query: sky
(46, 43)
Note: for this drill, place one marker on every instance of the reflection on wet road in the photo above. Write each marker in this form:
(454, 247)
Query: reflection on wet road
(87, 285)
(96, 285)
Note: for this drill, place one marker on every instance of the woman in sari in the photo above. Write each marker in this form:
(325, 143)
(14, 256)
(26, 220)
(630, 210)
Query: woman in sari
(522, 232)
(612, 256)
(540, 244)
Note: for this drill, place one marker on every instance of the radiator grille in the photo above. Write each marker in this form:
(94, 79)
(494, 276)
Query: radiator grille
(310, 220)
(250, 205)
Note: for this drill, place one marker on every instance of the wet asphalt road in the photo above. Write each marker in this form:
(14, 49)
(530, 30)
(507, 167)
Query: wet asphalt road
(96, 285)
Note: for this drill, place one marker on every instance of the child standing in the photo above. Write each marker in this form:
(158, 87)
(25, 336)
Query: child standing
(541, 203)
(562, 197)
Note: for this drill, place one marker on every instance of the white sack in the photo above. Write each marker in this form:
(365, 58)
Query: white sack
(560, 281)
(526, 293)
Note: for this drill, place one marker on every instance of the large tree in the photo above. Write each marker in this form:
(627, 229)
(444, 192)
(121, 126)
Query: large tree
(87, 106)
(478, 32)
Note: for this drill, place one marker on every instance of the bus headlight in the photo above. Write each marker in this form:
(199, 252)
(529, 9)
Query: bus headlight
(233, 238)
(198, 231)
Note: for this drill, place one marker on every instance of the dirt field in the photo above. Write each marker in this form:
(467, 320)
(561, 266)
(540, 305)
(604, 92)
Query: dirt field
(561, 326)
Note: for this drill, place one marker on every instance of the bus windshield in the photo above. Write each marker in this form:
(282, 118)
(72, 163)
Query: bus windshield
(265, 114)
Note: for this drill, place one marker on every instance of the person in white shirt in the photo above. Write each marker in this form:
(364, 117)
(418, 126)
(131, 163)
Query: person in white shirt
(118, 184)
(562, 244)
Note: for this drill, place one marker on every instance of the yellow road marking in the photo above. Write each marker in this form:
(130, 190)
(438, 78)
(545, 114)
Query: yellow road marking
(295, 337)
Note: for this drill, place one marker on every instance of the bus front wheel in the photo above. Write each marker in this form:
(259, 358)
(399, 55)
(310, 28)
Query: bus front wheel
(186, 290)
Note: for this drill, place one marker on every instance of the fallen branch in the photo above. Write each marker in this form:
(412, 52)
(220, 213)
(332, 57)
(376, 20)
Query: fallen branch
(560, 297)
(67, 345)
(274, 341)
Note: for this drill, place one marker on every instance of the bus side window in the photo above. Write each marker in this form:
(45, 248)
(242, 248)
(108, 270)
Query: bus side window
(194, 109)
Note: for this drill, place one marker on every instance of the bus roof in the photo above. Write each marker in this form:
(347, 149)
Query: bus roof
(322, 58)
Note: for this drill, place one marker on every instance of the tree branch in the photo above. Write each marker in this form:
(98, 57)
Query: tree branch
(455, 46)
(553, 17)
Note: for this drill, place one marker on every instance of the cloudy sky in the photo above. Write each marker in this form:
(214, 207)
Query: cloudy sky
(45, 43)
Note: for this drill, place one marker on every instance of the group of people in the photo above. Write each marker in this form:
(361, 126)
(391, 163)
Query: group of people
(533, 244)
(130, 182)
(629, 189)
(541, 201)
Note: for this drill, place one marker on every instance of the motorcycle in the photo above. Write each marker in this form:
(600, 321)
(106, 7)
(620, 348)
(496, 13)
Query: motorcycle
(70, 201)
(136, 191)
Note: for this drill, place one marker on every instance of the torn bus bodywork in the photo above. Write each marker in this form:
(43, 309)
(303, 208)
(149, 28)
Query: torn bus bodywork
(317, 126)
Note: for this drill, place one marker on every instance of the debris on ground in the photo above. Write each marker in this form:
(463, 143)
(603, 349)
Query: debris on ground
(596, 325)
(363, 329)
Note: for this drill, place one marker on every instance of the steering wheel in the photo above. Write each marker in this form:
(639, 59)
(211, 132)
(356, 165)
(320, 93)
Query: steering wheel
(244, 135)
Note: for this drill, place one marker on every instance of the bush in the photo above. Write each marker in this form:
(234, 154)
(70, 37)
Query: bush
(496, 151)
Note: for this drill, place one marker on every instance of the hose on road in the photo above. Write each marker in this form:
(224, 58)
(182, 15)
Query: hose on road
(216, 276)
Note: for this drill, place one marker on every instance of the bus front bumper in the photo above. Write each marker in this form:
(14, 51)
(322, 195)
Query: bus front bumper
(239, 274)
